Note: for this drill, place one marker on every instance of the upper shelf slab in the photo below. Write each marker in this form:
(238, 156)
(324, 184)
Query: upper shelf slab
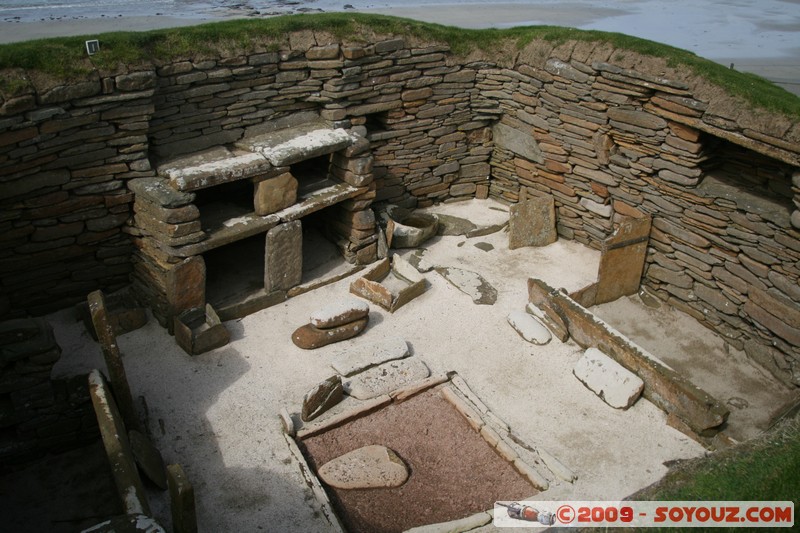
(292, 145)
(213, 167)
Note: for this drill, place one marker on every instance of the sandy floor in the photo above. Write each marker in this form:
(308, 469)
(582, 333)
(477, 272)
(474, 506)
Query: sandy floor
(216, 413)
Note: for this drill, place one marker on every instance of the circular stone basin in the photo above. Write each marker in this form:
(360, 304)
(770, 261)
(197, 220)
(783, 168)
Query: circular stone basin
(409, 229)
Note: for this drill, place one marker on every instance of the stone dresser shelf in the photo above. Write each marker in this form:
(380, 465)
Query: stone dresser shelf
(228, 224)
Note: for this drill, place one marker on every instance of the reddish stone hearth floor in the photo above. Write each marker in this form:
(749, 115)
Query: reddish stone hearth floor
(453, 472)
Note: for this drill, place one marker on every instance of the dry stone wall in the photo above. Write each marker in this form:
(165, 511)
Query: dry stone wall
(611, 141)
(38, 414)
(604, 132)
(65, 155)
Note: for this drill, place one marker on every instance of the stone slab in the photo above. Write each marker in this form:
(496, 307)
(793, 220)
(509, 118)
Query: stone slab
(322, 397)
(622, 260)
(666, 388)
(283, 264)
(369, 467)
(200, 330)
(148, 458)
(118, 449)
(385, 378)
(309, 338)
(339, 313)
(273, 194)
(532, 222)
(529, 328)
(615, 384)
(361, 357)
(306, 145)
(471, 284)
(214, 170)
(181, 496)
(521, 143)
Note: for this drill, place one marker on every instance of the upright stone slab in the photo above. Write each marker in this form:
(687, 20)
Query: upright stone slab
(113, 359)
(274, 194)
(532, 222)
(115, 440)
(185, 285)
(622, 260)
(322, 397)
(283, 261)
(181, 495)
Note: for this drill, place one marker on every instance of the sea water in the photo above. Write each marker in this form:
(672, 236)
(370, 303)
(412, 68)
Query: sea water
(39, 10)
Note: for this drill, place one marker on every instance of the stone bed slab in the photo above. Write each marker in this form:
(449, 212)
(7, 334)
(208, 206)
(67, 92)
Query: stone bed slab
(663, 386)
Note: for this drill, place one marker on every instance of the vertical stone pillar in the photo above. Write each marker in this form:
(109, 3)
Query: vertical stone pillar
(181, 495)
(186, 285)
(283, 257)
(274, 193)
(622, 260)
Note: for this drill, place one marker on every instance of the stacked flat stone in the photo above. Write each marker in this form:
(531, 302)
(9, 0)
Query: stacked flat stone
(41, 414)
(334, 323)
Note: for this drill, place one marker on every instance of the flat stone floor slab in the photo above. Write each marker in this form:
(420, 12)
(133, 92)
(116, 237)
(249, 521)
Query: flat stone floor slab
(217, 413)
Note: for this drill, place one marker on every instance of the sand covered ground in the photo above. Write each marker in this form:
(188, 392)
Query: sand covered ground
(216, 413)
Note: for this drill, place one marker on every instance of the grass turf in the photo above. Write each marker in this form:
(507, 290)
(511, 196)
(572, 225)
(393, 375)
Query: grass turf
(65, 57)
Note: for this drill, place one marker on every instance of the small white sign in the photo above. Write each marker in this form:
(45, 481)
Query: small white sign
(92, 47)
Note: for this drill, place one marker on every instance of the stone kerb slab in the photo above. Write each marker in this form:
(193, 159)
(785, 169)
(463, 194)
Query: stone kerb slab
(615, 384)
(126, 477)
